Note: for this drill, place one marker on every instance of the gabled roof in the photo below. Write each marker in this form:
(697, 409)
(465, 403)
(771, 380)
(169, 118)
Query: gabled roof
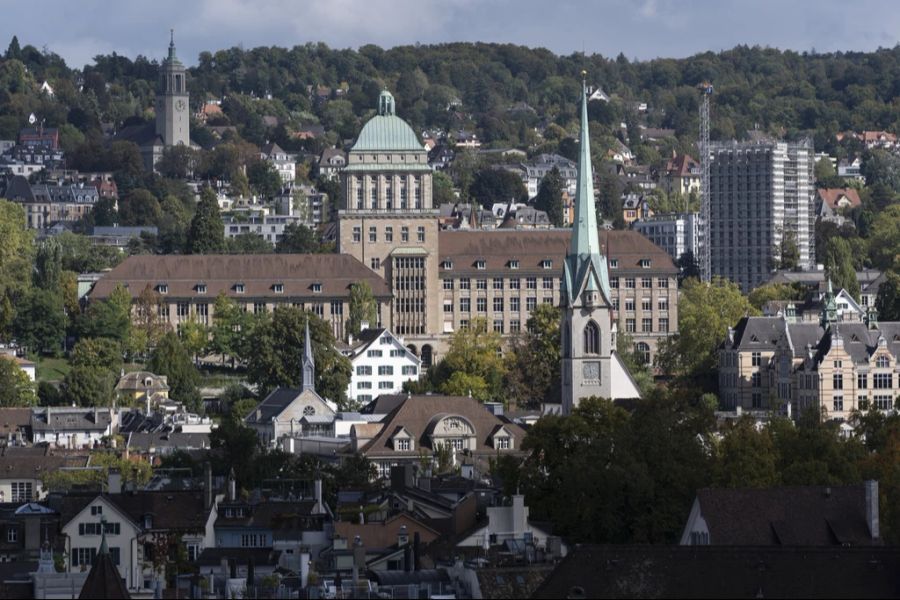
(70, 419)
(17, 462)
(789, 516)
(832, 196)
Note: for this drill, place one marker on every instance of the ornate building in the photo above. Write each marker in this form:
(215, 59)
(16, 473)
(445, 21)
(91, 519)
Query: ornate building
(388, 221)
(590, 365)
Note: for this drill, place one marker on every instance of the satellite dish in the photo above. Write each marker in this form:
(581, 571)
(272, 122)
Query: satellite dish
(32, 119)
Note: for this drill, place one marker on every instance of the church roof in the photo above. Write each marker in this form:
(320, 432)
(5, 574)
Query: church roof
(104, 580)
(386, 131)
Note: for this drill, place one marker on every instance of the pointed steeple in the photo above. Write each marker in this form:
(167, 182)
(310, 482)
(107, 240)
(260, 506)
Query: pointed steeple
(172, 56)
(585, 240)
(829, 306)
(309, 364)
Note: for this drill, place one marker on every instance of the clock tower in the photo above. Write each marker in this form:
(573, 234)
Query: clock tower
(172, 111)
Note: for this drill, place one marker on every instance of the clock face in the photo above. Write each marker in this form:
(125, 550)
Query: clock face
(591, 370)
(180, 105)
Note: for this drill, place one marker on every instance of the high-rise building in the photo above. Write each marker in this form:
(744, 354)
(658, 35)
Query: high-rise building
(590, 365)
(762, 208)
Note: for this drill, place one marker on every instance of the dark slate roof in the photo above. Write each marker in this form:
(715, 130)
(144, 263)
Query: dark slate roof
(17, 462)
(70, 419)
(169, 510)
(212, 557)
(269, 515)
(789, 516)
(711, 572)
(383, 404)
(104, 580)
(144, 441)
(142, 135)
(13, 420)
(274, 404)
(758, 333)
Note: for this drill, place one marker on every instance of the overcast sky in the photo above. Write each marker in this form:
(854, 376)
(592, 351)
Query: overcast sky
(643, 29)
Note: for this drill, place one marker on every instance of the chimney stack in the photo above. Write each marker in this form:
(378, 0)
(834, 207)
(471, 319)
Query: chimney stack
(208, 485)
(114, 482)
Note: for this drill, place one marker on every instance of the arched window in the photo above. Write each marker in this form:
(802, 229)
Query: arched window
(427, 355)
(642, 351)
(591, 338)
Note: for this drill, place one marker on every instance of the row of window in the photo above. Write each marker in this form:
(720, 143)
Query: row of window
(481, 264)
(94, 529)
(515, 304)
(498, 283)
(394, 353)
(388, 234)
(646, 282)
(386, 370)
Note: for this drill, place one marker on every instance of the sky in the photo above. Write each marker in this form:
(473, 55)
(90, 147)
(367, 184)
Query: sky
(641, 29)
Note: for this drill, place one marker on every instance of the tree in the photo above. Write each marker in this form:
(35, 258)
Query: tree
(363, 307)
(788, 252)
(40, 322)
(773, 291)
(248, 243)
(139, 207)
(206, 234)
(194, 335)
(16, 388)
(549, 197)
(887, 302)
(746, 457)
(276, 354)
(497, 185)
(229, 324)
(442, 187)
(88, 385)
(705, 312)
(148, 326)
(101, 353)
(170, 358)
(475, 352)
(839, 266)
(16, 253)
(108, 318)
(884, 242)
(533, 371)
(688, 267)
(177, 162)
(13, 51)
(264, 178)
(298, 239)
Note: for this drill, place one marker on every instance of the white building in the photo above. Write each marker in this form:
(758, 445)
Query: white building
(674, 233)
(284, 163)
(65, 427)
(381, 364)
(761, 193)
(269, 227)
(544, 163)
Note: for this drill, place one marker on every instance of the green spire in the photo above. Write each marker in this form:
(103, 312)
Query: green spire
(585, 238)
(309, 364)
(172, 56)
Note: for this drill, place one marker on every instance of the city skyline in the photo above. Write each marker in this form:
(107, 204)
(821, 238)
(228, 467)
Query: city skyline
(645, 30)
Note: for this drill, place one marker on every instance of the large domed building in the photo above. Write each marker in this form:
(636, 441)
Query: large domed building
(388, 221)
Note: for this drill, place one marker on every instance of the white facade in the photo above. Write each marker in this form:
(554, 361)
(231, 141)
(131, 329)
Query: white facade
(674, 233)
(83, 536)
(381, 366)
(760, 193)
(543, 164)
(269, 227)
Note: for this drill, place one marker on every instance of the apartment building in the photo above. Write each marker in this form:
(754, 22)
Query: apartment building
(674, 233)
(761, 194)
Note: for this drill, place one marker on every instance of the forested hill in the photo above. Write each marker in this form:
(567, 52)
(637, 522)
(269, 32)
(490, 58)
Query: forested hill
(498, 91)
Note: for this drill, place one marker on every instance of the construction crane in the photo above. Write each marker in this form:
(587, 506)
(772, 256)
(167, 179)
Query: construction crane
(706, 90)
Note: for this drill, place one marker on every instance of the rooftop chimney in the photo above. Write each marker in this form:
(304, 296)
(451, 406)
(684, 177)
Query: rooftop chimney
(114, 482)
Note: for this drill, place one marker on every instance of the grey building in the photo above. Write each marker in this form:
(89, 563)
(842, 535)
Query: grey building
(674, 233)
(761, 194)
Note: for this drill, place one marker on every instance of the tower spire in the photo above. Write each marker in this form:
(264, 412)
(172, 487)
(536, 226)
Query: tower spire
(309, 364)
(172, 45)
(585, 238)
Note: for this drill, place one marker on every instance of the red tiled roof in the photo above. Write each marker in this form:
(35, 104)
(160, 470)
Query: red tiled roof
(831, 196)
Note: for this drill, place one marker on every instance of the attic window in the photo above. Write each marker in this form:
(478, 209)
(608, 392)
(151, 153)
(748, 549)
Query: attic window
(645, 263)
(278, 288)
(614, 263)
(201, 288)
(480, 264)
(447, 265)
(753, 338)
(547, 263)
(513, 264)
(239, 288)
(317, 288)
(162, 288)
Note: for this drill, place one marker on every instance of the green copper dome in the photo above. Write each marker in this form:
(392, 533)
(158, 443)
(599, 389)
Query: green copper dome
(386, 131)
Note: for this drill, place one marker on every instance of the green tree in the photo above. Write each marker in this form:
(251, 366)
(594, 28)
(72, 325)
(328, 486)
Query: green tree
(746, 457)
(442, 189)
(788, 252)
(475, 352)
(97, 352)
(108, 318)
(147, 325)
(177, 162)
(139, 207)
(206, 234)
(87, 385)
(230, 323)
(248, 243)
(48, 265)
(887, 302)
(363, 307)
(16, 388)
(170, 358)
(839, 266)
(533, 372)
(705, 312)
(194, 336)
(298, 239)
(549, 197)
(773, 291)
(40, 322)
(16, 253)
(497, 185)
(884, 242)
(264, 178)
(276, 354)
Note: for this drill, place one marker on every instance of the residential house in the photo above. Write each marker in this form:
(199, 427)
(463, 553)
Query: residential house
(381, 364)
(511, 524)
(142, 386)
(121, 237)
(284, 163)
(540, 165)
(635, 207)
(15, 426)
(833, 204)
(75, 427)
(22, 470)
(806, 516)
(24, 529)
(851, 169)
(682, 175)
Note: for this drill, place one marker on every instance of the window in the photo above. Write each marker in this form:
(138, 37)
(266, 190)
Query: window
(662, 282)
(373, 234)
(385, 385)
(646, 304)
(513, 264)
(410, 370)
(12, 534)
(498, 283)
(862, 381)
(374, 354)
(364, 370)
(420, 235)
(389, 234)
(448, 306)
(614, 263)
(614, 283)
(883, 381)
(278, 288)
(465, 283)
(401, 445)
(239, 288)
(318, 309)
(515, 305)
(259, 308)
(481, 284)
(646, 282)
(664, 325)
(530, 304)
(531, 283)
(317, 288)
(756, 400)
(96, 510)
(646, 325)
(456, 443)
(756, 359)
(397, 352)
(837, 381)
(385, 370)
(357, 234)
(404, 234)
(502, 443)
(21, 491)
(547, 283)
(662, 303)
(481, 304)
(838, 404)
(498, 304)
(201, 288)
(629, 304)
(515, 325)
(591, 338)
(364, 385)
(465, 304)
(629, 283)
(498, 325)
(83, 557)
(883, 402)
(546, 264)
(882, 362)
(162, 288)
(645, 263)
(182, 309)
(375, 263)
(448, 284)
(515, 283)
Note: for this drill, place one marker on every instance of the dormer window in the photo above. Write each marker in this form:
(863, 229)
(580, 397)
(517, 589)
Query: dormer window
(239, 288)
(201, 288)
(447, 265)
(645, 263)
(317, 288)
(613, 263)
(278, 288)
(162, 288)
(546, 264)
(480, 265)
(513, 264)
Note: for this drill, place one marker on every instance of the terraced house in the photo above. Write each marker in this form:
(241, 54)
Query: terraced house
(769, 363)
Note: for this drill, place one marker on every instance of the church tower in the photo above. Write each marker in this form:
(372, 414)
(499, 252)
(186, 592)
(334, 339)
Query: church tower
(172, 110)
(590, 365)
(309, 364)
